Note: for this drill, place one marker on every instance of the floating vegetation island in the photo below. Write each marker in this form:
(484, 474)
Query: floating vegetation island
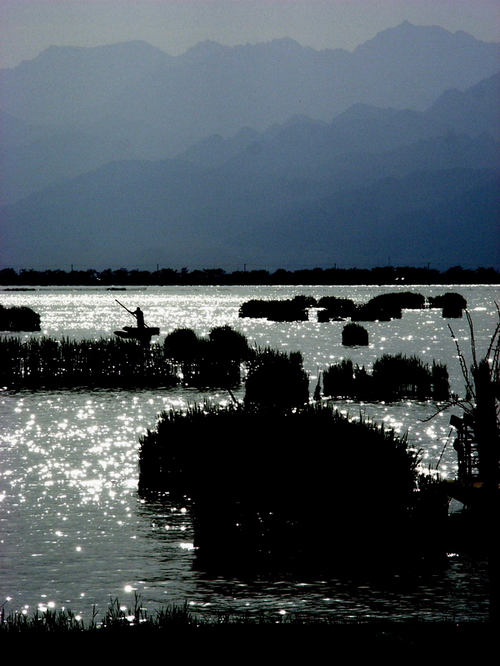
(393, 377)
(383, 307)
(18, 318)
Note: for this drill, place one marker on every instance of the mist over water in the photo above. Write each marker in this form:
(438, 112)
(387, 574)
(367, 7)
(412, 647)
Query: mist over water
(73, 530)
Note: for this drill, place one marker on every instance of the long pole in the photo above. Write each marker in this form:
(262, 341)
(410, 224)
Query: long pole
(125, 308)
(129, 311)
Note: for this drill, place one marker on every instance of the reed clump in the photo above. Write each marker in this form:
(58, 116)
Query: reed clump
(19, 318)
(385, 307)
(116, 363)
(106, 363)
(452, 304)
(276, 380)
(214, 361)
(272, 481)
(295, 309)
(354, 335)
(393, 377)
(292, 633)
(335, 308)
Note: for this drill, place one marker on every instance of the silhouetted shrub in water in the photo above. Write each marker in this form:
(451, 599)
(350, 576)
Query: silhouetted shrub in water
(19, 318)
(385, 307)
(229, 344)
(452, 304)
(276, 380)
(277, 488)
(182, 344)
(400, 376)
(354, 335)
(338, 380)
(393, 378)
(214, 361)
(287, 310)
(107, 363)
(440, 381)
(335, 308)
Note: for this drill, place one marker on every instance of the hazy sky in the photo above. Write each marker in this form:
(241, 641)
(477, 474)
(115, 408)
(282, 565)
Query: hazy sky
(27, 27)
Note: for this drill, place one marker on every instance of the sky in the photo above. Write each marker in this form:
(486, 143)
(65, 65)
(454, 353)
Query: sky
(27, 27)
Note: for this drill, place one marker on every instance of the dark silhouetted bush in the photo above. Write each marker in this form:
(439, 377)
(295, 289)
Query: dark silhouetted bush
(385, 307)
(19, 318)
(393, 378)
(354, 335)
(281, 489)
(105, 363)
(335, 308)
(287, 310)
(276, 380)
(452, 304)
(211, 362)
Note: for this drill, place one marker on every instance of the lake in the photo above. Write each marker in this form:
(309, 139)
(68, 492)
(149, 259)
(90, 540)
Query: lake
(74, 532)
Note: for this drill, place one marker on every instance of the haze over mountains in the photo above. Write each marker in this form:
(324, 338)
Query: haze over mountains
(268, 155)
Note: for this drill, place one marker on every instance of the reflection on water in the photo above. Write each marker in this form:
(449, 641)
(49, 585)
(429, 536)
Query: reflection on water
(73, 531)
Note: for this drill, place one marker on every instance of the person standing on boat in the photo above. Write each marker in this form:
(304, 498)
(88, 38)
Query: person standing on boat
(139, 315)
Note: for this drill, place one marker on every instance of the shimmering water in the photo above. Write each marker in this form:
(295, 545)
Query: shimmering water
(73, 531)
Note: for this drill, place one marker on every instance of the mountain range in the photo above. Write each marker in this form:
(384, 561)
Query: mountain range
(266, 155)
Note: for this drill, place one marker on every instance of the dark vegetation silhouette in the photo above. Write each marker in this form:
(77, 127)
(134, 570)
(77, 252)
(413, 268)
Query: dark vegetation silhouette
(393, 377)
(18, 318)
(354, 335)
(207, 276)
(383, 307)
(184, 358)
(335, 308)
(263, 502)
(475, 528)
(276, 381)
(452, 304)
(294, 309)
(207, 362)
(120, 626)
(265, 477)
(106, 363)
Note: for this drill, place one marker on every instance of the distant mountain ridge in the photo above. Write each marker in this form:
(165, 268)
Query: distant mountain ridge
(371, 183)
(271, 154)
(213, 88)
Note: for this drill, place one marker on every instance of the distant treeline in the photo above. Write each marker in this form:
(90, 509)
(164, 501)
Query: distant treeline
(217, 276)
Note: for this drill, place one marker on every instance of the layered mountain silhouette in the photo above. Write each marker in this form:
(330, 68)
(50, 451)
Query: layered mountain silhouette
(268, 155)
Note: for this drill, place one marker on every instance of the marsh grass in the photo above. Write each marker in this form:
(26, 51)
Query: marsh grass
(19, 318)
(264, 483)
(452, 304)
(276, 380)
(354, 335)
(394, 377)
(214, 361)
(291, 634)
(385, 307)
(115, 363)
(106, 363)
(294, 309)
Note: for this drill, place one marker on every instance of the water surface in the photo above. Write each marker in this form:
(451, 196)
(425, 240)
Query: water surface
(73, 530)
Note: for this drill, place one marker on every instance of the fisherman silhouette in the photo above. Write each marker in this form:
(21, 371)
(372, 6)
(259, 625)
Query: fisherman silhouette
(139, 315)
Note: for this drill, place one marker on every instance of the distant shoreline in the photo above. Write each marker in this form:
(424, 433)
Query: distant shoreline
(384, 275)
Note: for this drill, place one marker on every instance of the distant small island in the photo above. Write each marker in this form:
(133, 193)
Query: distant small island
(381, 275)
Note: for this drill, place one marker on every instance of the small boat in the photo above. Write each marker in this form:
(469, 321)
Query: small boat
(142, 331)
(132, 332)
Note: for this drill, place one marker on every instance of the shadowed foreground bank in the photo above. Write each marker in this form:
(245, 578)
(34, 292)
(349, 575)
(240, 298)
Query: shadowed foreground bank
(179, 631)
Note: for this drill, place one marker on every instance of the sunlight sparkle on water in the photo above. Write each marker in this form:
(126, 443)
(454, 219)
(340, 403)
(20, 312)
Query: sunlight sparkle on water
(83, 445)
